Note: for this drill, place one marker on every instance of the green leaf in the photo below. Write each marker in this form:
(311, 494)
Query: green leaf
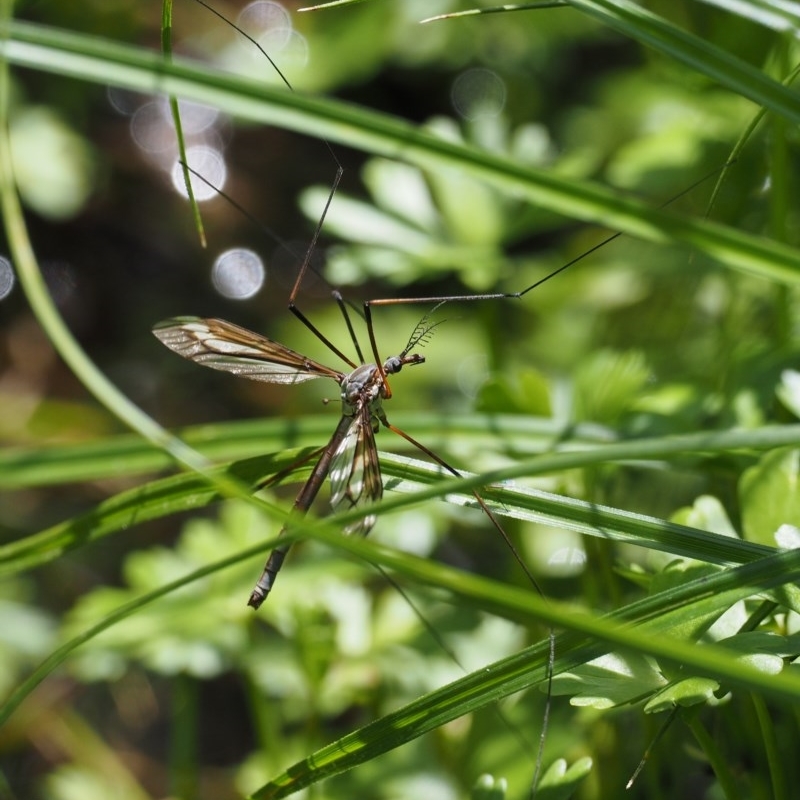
(608, 681)
(686, 692)
(560, 782)
(529, 666)
(769, 495)
(489, 788)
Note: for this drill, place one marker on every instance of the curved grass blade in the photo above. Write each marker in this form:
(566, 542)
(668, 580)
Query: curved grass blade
(658, 614)
(643, 626)
(150, 501)
(125, 455)
(96, 60)
(166, 47)
(545, 444)
(415, 482)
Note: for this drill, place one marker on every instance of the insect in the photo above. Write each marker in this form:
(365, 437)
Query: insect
(350, 457)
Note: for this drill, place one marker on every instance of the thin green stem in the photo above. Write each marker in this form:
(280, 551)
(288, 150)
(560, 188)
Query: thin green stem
(183, 756)
(715, 757)
(166, 48)
(780, 790)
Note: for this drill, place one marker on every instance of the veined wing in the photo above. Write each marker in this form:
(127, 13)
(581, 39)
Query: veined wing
(222, 345)
(355, 472)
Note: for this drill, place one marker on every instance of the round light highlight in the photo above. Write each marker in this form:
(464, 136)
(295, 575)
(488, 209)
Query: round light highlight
(265, 20)
(196, 117)
(269, 25)
(6, 277)
(151, 128)
(206, 161)
(238, 274)
(478, 92)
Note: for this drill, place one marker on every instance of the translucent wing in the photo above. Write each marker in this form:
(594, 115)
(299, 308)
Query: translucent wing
(355, 472)
(222, 345)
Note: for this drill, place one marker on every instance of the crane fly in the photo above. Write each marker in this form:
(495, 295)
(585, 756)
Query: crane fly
(350, 458)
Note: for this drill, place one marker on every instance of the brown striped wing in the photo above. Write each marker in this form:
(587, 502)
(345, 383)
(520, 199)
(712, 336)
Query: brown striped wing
(224, 346)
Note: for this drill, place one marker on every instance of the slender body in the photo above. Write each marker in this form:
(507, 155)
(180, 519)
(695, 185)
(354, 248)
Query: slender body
(350, 457)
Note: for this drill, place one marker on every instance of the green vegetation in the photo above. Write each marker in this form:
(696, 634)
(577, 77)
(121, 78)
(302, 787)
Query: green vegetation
(632, 421)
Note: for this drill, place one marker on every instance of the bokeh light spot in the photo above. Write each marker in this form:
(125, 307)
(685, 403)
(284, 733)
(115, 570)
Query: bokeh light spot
(269, 24)
(478, 92)
(124, 101)
(206, 161)
(238, 274)
(196, 117)
(152, 129)
(6, 277)
(266, 21)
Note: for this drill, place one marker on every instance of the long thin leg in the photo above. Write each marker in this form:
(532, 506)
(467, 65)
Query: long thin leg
(301, 505)
(388, 393)
(518, 558)
(321, 469)
(305, 266)
(277, 477)
(340, 301)
(481, 502)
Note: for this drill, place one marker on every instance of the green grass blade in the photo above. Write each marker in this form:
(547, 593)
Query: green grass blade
(414, 482)
(545, 445)
(708, 59)
(657, 615)
(97, 60)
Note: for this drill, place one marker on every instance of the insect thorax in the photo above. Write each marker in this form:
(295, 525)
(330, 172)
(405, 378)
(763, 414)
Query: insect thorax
(362, 387)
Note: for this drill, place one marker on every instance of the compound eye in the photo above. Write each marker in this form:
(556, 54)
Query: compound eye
(393, 365)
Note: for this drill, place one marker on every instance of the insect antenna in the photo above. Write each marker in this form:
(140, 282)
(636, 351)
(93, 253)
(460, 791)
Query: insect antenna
(422, 333)
(241, 32)
(616, 235)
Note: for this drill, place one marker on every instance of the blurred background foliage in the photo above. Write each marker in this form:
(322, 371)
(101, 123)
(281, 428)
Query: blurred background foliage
(196, 697)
